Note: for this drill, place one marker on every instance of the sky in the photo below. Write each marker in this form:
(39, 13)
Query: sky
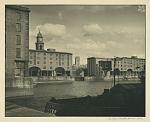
(90, 31)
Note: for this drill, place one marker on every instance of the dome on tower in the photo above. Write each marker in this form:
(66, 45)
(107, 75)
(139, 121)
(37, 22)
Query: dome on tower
(39, 34)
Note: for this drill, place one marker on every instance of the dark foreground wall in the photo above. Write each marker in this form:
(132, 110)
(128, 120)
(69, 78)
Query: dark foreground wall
(122, 100)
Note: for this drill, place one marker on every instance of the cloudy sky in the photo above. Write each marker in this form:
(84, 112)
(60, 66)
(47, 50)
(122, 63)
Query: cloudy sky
(100, 31)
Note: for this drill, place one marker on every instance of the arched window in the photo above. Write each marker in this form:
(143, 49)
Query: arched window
(40, 47)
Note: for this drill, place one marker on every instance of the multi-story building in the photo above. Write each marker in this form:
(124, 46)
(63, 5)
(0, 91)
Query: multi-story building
(130, 66)
(48, 62)
(17, 44)
(123, 65)
(94, 67)
(77, 61)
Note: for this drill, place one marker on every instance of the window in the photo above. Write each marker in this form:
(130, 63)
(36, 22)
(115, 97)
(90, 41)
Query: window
(17, 72)
(30, 62)
(18, 16)
(30, 57)
(56, 58)
(44, 53)
(41, 48)
(62, 63)
(38, 62)
(51, 67)
(50, 58)
(38, 57)
(44, 62)
(27, 26)
(27, 16)
(18, 53)
(18, 65)
(18, 41)
(50, 62)
(45, 58)
(18, 27)
(44, 67)
(106, 65)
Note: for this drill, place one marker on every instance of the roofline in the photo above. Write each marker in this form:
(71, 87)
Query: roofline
(17, 7)
(91, 58)
(48, 51)
(131, 58)
(116, 57)
(98, 58)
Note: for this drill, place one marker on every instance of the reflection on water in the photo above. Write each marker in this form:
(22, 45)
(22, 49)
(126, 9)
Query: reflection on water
(75, 89)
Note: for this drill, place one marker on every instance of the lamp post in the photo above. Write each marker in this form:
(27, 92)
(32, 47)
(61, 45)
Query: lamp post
(114, 71)
(138, 71)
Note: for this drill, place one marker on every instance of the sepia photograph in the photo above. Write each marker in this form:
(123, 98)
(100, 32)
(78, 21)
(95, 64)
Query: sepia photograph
(75, 60)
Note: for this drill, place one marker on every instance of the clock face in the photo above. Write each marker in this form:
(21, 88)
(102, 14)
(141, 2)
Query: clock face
(40, 39)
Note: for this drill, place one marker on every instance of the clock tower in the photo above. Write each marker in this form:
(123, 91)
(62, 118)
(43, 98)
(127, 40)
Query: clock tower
(39, 43)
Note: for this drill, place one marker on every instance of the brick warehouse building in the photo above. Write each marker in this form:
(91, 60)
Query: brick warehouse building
(124, 66)
(16, 45)
(48, 62)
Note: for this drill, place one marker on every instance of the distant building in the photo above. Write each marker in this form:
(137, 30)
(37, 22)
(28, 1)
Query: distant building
(73, 71)
(93, 65)
(77, 61)
(124, 65)
(48, 62)
(17, 44)
(83, 66)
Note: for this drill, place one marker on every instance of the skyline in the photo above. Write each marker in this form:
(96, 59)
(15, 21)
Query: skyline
(98, 31)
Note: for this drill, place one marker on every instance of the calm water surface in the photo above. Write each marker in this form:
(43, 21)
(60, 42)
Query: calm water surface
(75, 89)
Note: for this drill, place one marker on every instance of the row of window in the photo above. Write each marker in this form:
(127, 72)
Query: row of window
(127, 69)
(45, 58)
(130, 65)
(18, 38)
(38, 62)
(131, 62)
(51, 54)
(44, 67)
(18, 29)
(131, 59)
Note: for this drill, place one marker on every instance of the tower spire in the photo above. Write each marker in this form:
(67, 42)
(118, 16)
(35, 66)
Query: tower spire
(39, 30)
(39, 43)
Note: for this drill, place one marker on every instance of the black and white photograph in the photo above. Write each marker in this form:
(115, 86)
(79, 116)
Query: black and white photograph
(72, 60)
